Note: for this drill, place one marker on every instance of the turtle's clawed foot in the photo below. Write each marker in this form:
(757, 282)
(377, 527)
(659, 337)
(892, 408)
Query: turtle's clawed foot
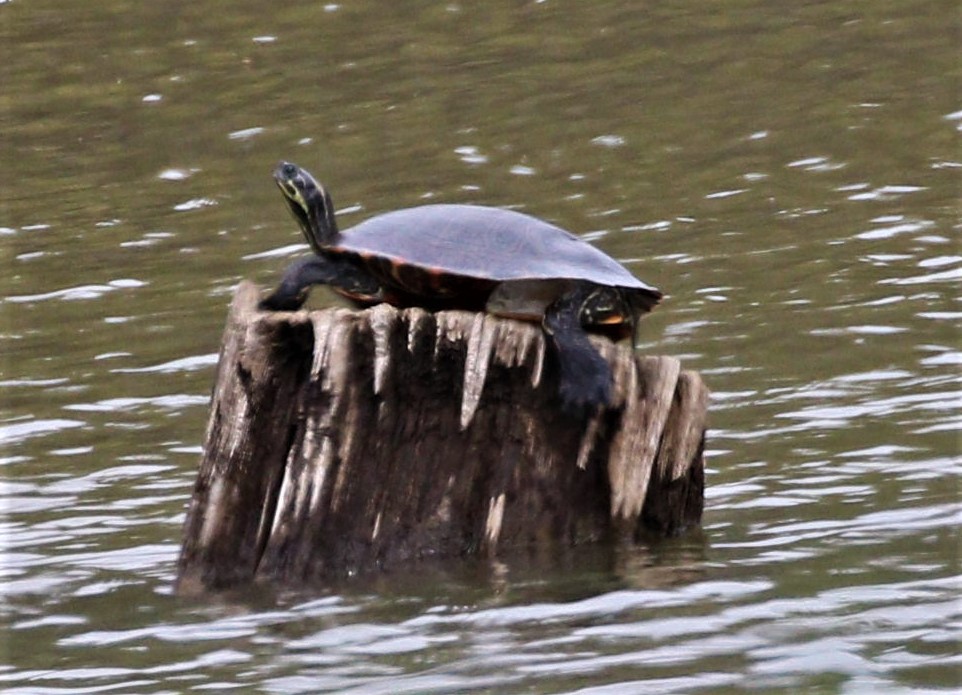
(585, 380)
(291, 294)
(282, 301)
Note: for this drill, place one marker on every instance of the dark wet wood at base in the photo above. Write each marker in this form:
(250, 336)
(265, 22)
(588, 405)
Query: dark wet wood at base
(346, 441)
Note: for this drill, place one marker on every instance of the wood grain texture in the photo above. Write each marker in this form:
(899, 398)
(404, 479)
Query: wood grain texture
(346, 441)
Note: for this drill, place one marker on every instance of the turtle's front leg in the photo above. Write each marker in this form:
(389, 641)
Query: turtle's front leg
(585, 376)
(339, 273)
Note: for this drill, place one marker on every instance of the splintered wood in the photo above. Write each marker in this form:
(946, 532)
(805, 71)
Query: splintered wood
(345, 441)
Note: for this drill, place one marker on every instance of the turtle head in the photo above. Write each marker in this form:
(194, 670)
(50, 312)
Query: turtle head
(310, 204)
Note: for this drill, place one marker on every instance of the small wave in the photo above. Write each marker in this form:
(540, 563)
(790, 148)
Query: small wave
(173, 402)
(79, 292)
(19, 431)
(185, 364)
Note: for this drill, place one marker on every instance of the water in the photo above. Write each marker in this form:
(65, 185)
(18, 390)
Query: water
(788, 174)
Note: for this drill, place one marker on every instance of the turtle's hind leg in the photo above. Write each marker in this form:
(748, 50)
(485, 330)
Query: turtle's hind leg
(339, 273)
(585, 377)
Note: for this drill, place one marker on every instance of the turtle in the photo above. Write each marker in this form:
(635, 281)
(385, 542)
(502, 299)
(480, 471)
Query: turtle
(475, 258)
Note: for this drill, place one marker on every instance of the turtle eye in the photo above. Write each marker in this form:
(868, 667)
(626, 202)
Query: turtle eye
(289, 171)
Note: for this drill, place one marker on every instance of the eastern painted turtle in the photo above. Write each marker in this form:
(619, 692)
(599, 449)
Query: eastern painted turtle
(475, 258)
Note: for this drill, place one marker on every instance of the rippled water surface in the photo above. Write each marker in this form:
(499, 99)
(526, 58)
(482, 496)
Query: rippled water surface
(788, 173)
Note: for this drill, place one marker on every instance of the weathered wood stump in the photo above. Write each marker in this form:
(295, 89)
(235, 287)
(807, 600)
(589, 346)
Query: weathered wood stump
(342, 441)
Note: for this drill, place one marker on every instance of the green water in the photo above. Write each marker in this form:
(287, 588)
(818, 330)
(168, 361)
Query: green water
(788, 173)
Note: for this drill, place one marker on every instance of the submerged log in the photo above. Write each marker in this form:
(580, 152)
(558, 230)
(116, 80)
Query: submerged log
(342, 441)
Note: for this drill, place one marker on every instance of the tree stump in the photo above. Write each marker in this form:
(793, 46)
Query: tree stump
(343, 441)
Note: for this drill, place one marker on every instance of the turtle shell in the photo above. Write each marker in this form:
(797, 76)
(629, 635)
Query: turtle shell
(430, 244)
